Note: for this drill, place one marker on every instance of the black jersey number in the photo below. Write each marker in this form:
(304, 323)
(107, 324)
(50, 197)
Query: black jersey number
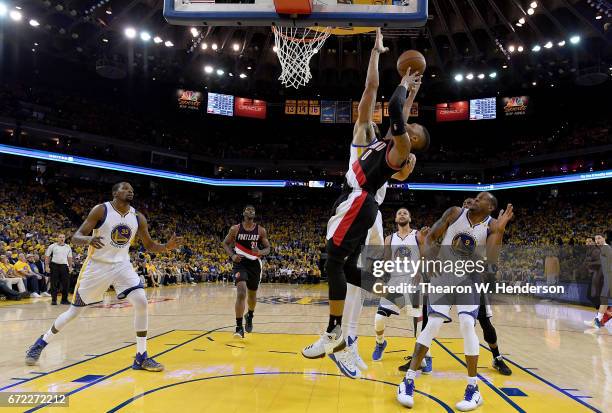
(376, 147)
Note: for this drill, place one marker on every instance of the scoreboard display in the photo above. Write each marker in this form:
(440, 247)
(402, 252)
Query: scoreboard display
(483, 109)
(219, 104)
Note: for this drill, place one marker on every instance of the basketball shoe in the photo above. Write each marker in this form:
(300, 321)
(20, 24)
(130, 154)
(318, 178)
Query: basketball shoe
(352, 346)
(248, 323)
(144, 362)
(328, 343)
(501, 366)
(471, 399)
(346, 362)
(405, 393)
(379, 349)
(33, 353)
(239, 333)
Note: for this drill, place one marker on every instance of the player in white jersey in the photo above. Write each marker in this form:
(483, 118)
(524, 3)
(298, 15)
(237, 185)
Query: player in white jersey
(404, 243)
(466, 235)
(113, 226)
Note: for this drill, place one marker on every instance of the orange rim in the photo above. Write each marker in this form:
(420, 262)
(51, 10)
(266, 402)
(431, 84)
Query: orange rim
(323, 35)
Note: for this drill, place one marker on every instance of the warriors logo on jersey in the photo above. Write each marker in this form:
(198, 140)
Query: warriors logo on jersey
(403, 252)
(120, 235)
(463, 245)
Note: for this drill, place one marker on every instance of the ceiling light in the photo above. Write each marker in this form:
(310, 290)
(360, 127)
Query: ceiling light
(208, 69)
(3, 9)
(15, 15)
(530, 11)
(145, 36)
(242, 76)
(231, 74)
(105, 40)
(157, 40)
(520, 49)
(214, 46)
(433, 75)
(194, 32)
(575, 39)
(522, 20)
(470, 76)
(598, 17)
(511, 48)
(458, 77)
(519, 25)
(536, 48)
(109, 11)
(204, 46)
(220, 72)
(130, 32)
(493, 75)
(561, 43)
(34, 23)
(275, 49)
(504, 66)
(236, 47)
(534, 83)
(481, 76)
(249, 67)
(168, 43)
(548, 45)
(533, 4)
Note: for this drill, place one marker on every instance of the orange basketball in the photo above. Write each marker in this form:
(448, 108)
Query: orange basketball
(412, 59)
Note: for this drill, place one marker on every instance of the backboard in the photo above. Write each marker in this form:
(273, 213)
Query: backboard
(327, 13)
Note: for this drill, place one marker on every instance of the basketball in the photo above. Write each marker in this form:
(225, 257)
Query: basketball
(412, 59)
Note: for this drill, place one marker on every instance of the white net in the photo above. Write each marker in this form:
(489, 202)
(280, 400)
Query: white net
(295, 47)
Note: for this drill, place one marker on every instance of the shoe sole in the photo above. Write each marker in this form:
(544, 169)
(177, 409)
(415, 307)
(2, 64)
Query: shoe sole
(341, 347)
(236, 335)
(143, 369)
(343, 370)
(30, 362)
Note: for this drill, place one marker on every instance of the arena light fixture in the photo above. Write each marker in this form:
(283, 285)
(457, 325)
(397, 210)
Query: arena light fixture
(130, 32)
(243, 76)
(105, 40)
(231, 74)
(15, 15)
(536, 48)
(469, 76)
(519, 24)
(548, 45)
(534, 4)
(275, 49)
(598, 17)
(220, 72)
(504, 66)
(194, 32)
(530, 11)
(575, 39)
(481, 76)
(168, 43)
(145, 36)
(215, 46)
(34, 23)
(157, 40)
(109, 11)
(520, 49)
(236, 47)
(493, 75)
(511, 48)
(458, 77)
(3, 9)
(561, 43)
(522, 20)
(534, 83)
(204, 46)
(208, 69)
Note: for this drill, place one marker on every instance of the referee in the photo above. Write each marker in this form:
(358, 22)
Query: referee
(58, 261)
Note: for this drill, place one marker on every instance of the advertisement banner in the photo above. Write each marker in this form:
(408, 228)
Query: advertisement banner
(453, 111)
(343, 112)
(328, 111)
(188, 99)
(516, 106)
(250, 108)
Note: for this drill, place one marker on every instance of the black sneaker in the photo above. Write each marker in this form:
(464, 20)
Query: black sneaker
(405, 367)
(501, 366)
(239, 332)
(53, 302)
(65, 302)
(248, 323)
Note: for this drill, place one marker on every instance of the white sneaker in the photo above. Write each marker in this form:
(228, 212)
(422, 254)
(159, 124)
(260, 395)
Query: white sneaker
(34, 295)
(346, 362)
(471, 399)
(405, 393)
(328, 343)
(352, 346)
(45, 294)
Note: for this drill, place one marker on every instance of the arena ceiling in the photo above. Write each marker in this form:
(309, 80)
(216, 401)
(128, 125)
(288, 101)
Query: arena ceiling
(461, 37)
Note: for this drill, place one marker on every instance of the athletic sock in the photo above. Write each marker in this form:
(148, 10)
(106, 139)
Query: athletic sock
(141, 344)
(48, 336)
(428, 354)
(472, 381)
(495, 351)
(239, 322)
(411, 374)
(599, 316)
(334, 320)
(380, 338)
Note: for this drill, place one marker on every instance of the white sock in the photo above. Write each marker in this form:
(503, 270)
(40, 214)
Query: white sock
(380, 338)
(141, 344)
(600, 316)
(411, 374)
(472, 380)
(353, 305)
(48, 336)
(428, 354)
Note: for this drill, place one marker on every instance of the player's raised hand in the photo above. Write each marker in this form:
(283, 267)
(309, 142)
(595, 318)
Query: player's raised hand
(505, 215)
(96, 242)
(174, 242)
(424, 231)
(378, 45)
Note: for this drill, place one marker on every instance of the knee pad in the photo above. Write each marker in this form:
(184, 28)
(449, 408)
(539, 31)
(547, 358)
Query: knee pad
(468, 331)
(488, 331)
(335, 278)
(430, 331)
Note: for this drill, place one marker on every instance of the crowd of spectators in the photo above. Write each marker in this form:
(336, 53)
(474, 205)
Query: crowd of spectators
(32, 215)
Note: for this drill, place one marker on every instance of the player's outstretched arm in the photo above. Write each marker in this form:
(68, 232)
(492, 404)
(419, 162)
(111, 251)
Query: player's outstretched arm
(406, 170)
(401, 141)
(497, 228)
(228, 243)
(82, 236)
(368, 99)
(263, 237)
(143, 233)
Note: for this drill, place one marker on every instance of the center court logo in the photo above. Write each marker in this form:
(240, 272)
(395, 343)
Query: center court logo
(120, 235)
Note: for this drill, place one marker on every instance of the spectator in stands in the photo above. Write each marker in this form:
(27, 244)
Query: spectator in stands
(8, 280)
(40, 276)
(22, 270)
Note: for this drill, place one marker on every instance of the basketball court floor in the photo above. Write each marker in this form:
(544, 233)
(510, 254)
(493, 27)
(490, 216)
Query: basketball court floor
(559, 365)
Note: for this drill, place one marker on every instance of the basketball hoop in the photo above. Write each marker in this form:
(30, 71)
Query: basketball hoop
(295, 47)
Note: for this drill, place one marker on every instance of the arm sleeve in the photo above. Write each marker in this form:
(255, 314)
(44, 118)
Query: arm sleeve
(396, 108)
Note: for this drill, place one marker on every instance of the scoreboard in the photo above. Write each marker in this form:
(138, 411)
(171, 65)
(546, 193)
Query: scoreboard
(483, 109)
(219, 104)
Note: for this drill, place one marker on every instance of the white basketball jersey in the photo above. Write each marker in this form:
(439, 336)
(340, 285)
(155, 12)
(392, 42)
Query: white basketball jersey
(466, 239)
(356, 152)
(405, 248)
(117, 232)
